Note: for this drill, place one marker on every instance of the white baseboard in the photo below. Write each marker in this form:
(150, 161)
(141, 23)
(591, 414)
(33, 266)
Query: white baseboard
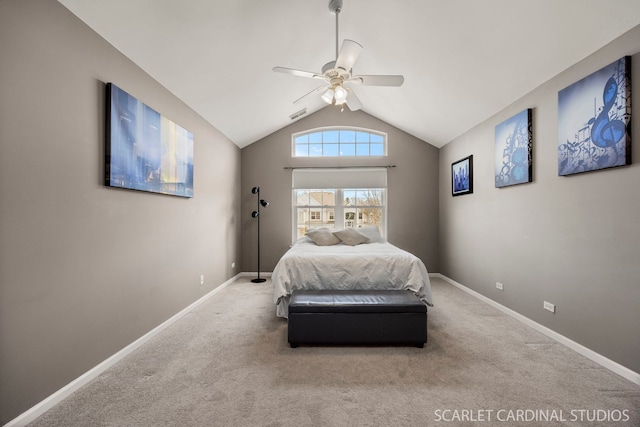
(609, 364)
(57, 397)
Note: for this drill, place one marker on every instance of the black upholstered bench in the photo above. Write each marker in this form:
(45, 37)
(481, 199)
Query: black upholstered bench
(356, 317)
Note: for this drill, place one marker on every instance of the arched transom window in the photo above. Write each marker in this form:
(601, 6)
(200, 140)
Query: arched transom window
(339, 142)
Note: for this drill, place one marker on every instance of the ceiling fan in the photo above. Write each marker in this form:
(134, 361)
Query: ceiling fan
(337, 73)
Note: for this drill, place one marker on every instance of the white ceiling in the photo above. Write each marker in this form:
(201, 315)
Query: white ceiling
(463, 60)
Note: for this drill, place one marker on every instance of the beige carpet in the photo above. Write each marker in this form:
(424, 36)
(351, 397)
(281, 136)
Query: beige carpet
(228, 363)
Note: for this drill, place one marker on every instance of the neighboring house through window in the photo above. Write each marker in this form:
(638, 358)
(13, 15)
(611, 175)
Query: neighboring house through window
(356, 207)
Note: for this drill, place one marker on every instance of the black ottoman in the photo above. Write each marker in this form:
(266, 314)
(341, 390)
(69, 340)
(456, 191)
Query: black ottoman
(357, 317)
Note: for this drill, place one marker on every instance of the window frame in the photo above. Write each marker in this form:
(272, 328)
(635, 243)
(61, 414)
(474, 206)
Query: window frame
(339, 130)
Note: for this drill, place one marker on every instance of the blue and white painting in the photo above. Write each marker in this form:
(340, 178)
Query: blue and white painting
(514, 140)
(462, 176)
(594, 116)
(145, 150)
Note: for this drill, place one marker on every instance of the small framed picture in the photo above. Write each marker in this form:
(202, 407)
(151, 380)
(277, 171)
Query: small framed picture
(462, 176)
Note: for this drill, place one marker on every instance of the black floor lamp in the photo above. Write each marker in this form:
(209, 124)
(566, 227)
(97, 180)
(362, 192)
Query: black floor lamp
(256, 214)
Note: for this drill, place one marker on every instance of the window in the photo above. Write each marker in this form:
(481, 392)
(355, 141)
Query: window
(339, 142)
(354, 207)
(338, 198)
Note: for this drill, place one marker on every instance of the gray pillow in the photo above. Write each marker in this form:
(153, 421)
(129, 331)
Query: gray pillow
(351, 236)
(372, 233)
(322, 237)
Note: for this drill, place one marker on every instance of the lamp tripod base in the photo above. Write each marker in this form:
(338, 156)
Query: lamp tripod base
(258, 280)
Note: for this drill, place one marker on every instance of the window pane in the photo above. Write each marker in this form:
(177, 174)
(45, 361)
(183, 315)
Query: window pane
(362, 137)
(302, 138)
(362, 149)
(376, 138)
(328, 218)
(329, 197)
(349, 197)
(370, 197)
(315, 149)
(369, 216)
(330, 150)
(349, 218)
(315, 137)
(315, 197)
(302, 198)
(347, 149)
(302, 216)
(377, 149)
(347, 136)
(330, 136)
(302, 150)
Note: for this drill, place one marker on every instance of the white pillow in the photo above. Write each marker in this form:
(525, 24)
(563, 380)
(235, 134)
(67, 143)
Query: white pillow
(372, 233)
(351, 236)
(322, 237)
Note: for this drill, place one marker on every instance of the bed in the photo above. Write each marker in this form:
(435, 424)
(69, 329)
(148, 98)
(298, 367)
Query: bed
(314, 263)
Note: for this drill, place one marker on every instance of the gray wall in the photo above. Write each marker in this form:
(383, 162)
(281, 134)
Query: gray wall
(572, 241)
(412, 222)
(84, 269)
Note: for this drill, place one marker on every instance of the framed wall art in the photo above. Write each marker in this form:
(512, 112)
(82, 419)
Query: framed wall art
(145, 150)
(514, 142)
(594, 116)
(462, 176)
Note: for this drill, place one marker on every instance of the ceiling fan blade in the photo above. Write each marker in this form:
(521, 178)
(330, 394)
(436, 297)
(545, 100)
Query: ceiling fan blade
(349, 52)
(353, 102)
(383, 80)
(304, 97)
(299, 73)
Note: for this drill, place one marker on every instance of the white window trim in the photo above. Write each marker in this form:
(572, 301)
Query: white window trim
(339, 128)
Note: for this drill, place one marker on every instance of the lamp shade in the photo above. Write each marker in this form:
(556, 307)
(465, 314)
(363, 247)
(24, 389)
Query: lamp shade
(340, 95)
(327, 96)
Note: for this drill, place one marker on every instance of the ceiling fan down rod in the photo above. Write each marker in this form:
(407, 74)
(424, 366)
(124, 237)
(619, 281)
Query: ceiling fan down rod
(335, 6)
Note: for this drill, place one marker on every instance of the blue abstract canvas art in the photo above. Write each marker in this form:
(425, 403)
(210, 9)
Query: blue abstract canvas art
(594, 121)
(514, 141)
(145, 150)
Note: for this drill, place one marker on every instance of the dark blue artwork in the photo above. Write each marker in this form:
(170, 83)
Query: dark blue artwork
(145, 150)
(462, 176)
(514, 140)
(594, 120)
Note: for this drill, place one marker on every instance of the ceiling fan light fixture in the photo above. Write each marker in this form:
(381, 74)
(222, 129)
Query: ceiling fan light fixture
(341, 94)
(327, 96)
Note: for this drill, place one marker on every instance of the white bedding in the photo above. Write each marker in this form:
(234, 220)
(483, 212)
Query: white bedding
(366, 266)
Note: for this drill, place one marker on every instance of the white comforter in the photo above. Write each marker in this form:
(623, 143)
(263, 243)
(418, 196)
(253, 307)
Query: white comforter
(367, 266)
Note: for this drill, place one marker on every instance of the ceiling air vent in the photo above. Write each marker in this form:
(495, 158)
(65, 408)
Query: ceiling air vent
(298, 114)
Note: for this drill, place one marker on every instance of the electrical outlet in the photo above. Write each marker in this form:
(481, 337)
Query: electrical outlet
(549, 306)
(499, 286)
(202, 279)
(233, 265)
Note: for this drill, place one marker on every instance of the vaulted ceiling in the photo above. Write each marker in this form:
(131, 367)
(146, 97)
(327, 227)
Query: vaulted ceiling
(462, 60)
